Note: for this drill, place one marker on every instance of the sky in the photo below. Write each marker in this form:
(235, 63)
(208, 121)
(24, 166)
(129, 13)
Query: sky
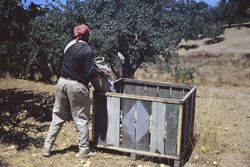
(210, 2)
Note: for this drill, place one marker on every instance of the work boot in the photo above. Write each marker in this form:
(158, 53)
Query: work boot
(87, 155)
(46, 152)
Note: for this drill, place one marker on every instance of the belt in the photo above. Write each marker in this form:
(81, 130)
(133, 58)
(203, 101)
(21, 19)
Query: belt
(67, 78)
(70, 79)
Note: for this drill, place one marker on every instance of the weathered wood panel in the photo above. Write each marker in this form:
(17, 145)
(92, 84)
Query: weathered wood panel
(113, 129)
(184, 125)
(172, 117)
(164, 92)
(119, 86)
(129, 89)
(174, 93)
(139, 152)
(148, 83)
(101, 117)
(193, 113)
(142, 119)
(178, 93)
(157, 127)
(143, 112)
(139, 90)
(186, 117)
(128, 123)
(179, 132)
(152, 91)
(146, 98)
(190, 113)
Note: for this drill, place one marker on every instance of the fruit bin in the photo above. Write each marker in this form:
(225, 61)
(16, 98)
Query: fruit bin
(146, 118)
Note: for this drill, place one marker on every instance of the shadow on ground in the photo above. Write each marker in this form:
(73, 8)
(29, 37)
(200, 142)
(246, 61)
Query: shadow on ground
(24, 112)
(3, 163)
(72, 148)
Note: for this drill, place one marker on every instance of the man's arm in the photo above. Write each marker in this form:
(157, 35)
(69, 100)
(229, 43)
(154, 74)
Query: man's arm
(91, 70)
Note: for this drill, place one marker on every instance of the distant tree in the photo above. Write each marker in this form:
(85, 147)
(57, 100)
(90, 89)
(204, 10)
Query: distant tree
(14, 25)
(243, 6)
(232, 11)
(46, 38)
(139, 30)
(142, 30)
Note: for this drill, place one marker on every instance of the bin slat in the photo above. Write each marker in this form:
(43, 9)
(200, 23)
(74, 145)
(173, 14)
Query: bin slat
(151, 91)
(193, 113)
(128, 123)
(143, 109)
(192, 91)
(147, 98)
(161, 84)
(183, 137)
(157, 127)
(186, 115)
(164, 92)
(179, 131)
(177, 93)
(139, 90)
(172, 117)
(113, 107)
(101, 119)
(139, 152)
(129, 89)
(190, 117)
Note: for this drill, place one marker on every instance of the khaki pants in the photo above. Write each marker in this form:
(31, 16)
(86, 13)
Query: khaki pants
(71, 101)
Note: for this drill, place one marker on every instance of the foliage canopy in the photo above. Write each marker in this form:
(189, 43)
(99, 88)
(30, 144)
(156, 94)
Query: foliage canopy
(143, 30)
(32, 38)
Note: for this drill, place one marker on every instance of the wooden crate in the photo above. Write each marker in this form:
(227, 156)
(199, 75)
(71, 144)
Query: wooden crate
(146, 118)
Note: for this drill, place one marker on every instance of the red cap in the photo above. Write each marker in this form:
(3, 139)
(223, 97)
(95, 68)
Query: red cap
(80, 31)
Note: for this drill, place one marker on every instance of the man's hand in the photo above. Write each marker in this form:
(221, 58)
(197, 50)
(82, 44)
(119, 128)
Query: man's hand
(104, 73)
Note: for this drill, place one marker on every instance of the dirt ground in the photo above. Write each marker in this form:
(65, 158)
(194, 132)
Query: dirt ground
(222, 118)
(221, 127)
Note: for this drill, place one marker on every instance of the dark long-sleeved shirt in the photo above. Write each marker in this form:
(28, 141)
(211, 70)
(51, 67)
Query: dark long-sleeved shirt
(78, 63)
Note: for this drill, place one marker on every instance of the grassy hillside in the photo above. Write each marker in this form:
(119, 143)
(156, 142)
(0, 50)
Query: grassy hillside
(224, 61)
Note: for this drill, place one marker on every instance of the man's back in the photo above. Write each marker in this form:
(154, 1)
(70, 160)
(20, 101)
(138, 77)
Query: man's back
(78, 62)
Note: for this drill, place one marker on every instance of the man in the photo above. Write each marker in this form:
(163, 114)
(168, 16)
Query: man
(72, 94)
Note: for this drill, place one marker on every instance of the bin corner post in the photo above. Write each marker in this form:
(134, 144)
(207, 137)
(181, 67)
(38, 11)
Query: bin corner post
(177, 163)
(133, 156)
(179, 131)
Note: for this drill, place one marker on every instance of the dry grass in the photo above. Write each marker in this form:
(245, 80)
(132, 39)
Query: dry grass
(207, 127)
(217, 108)
(213, 70)
(224, 63)
(220, 70)
(151, 72)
